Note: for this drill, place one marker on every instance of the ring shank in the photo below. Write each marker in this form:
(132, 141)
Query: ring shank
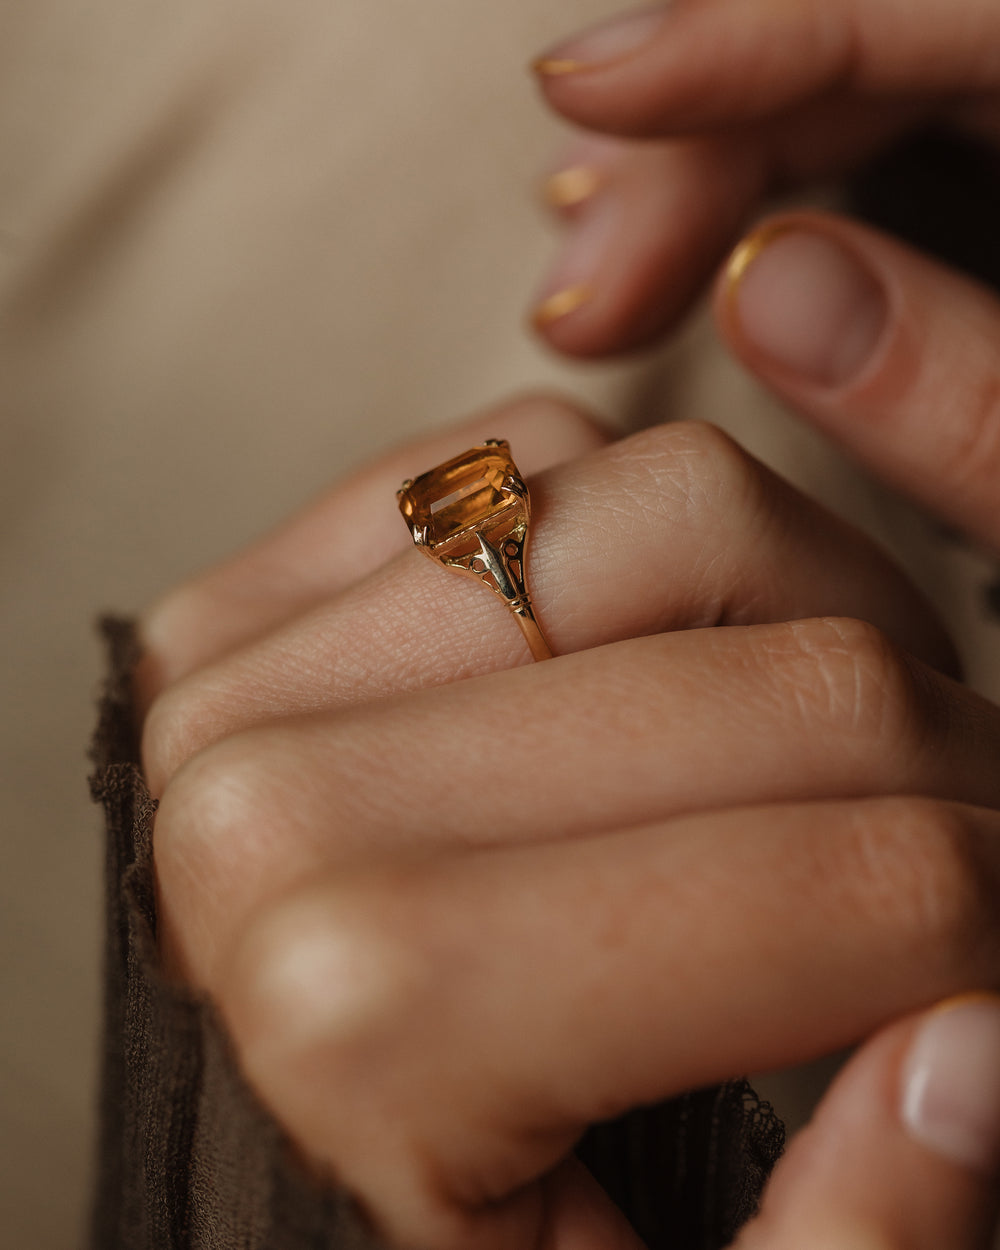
(540, 649)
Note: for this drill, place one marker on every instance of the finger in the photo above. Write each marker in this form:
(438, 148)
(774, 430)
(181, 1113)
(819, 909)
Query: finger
(891, 354)
(645, 240)
(578, 1214)
(709, 63)
(695, 531)
(475, 1012)
(336, 540)
(646, 224)
(604, 740)
(904, 1151)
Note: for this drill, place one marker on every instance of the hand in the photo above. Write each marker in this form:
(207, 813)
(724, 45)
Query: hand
(732, 99)
(887, 352)
(359, 854)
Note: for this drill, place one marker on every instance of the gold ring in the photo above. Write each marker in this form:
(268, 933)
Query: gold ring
(471, 514)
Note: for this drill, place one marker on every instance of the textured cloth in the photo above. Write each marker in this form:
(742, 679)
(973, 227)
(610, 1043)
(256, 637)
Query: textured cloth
(190, 1161)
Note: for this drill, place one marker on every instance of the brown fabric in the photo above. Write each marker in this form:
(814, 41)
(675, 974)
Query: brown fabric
(189, 1160)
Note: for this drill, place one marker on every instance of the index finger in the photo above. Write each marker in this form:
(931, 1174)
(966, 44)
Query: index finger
(335, 541)
(715, 63)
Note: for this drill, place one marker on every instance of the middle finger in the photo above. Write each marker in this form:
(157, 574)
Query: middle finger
(622, 735)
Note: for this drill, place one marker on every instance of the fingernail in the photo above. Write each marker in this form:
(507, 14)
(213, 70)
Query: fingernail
(572, 281)
(561, 303)
(951, 1083)
(609, 41)
(806, 302)
(571, 187)
(584, 167)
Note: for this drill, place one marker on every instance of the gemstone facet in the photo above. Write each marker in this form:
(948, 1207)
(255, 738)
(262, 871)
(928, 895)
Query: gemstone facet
(465, 493)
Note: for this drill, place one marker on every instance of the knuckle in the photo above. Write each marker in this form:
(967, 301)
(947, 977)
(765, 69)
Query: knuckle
(216, 849)
(970, 456)
(170, 621)
(920, 867)
(204, 814)
(181, 721)
(699, 471)
(325, 995)
(847, 673)
(322, 968)
(163, 739)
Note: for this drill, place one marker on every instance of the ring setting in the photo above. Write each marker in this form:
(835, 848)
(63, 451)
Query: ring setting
(471, 515)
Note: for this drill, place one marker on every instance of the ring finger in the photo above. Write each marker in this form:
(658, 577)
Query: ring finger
(695, 530)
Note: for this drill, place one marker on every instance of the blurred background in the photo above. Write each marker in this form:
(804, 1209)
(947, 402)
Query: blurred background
(242, 247)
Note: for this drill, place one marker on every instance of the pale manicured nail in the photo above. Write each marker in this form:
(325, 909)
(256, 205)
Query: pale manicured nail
(807, 303)
(584, 167)
(951, 1083)
(571, 187)
(561, 303)
(609, 41)
(571, 283)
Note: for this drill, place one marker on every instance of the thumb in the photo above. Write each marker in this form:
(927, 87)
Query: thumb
(891, 355)
(904, 1151)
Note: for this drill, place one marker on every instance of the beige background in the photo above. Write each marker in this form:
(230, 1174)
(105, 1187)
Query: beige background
(242, 245)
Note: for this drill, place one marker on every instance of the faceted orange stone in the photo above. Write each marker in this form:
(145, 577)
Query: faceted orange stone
(459, 494)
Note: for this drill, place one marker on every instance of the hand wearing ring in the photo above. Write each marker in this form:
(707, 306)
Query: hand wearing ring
(364, 916)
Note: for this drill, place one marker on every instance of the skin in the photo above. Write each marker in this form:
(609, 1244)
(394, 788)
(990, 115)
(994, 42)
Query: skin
(760, 722)
(732, 101)
(284, 867)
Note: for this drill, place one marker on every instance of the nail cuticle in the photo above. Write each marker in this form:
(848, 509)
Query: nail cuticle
(808, 303)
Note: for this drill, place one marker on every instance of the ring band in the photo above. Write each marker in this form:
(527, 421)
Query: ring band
(471, 514)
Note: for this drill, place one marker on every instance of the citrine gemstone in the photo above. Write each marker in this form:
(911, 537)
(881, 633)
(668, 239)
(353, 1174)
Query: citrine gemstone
(460, 494)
